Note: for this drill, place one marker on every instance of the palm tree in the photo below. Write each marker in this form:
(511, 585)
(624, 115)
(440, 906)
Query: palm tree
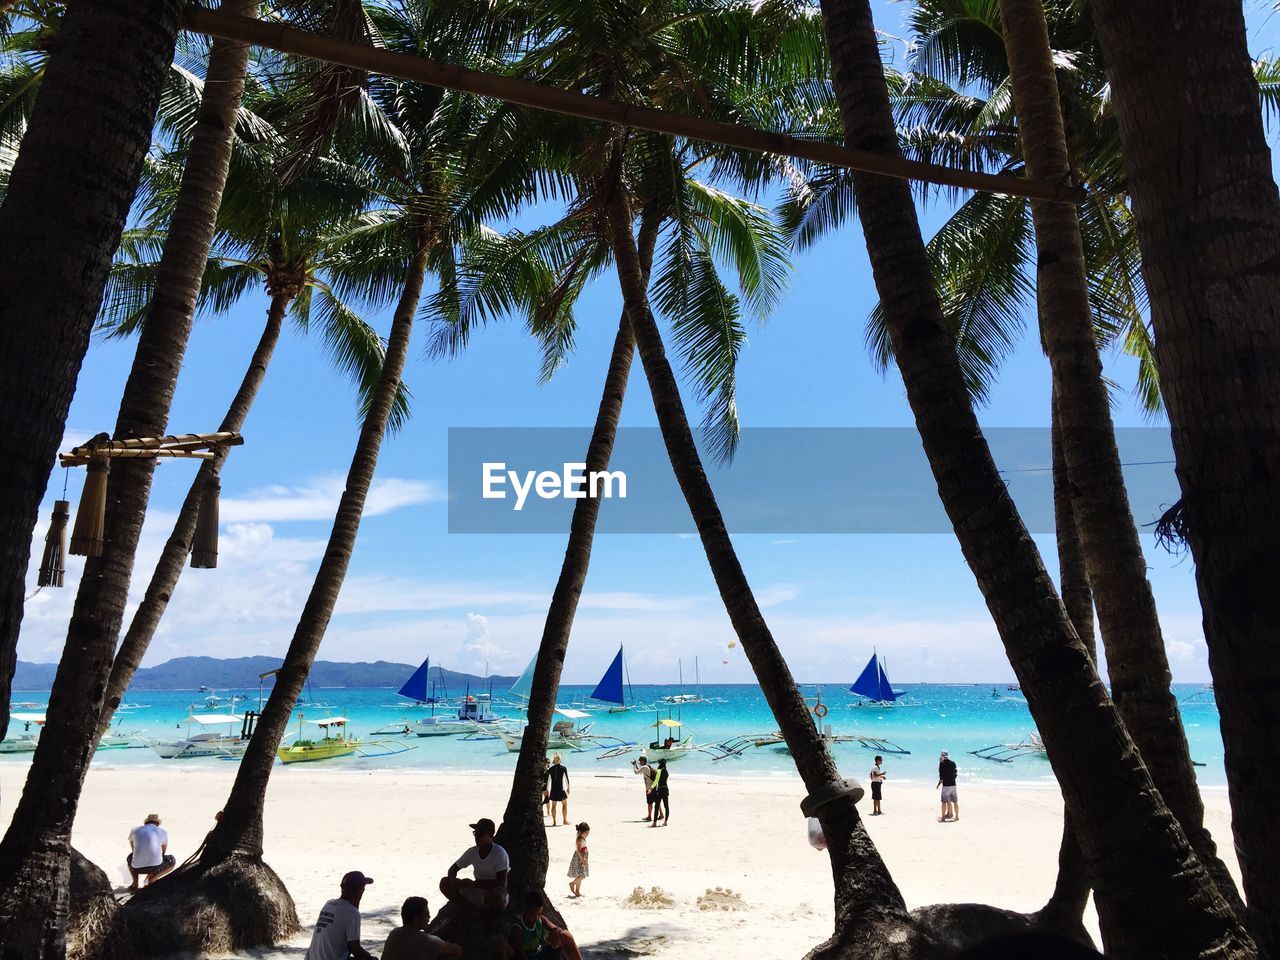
(978, 44)
(65, 202)
(427, 210)
(279, 234)
(1210, 233)
(1142, 861)
(699, 221)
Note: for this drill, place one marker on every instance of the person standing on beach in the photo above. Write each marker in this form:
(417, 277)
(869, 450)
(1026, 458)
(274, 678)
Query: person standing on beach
(337, 932)
(661, 795)
(646, 772)
(877, 785)
(947, 781)
(491, 865)
(149, 854)
(558, 790)
(546, 793)
(578, 868)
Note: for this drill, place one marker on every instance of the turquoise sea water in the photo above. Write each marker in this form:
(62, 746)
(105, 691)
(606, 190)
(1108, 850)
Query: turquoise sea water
(956, 718)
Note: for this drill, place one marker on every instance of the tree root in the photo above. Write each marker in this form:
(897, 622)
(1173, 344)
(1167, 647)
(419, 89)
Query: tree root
(235, 904)
(93, 906)
(936, 932)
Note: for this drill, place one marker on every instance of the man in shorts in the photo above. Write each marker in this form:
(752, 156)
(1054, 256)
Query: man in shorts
(877, 786)
(411, 941)
(491, 865)
(534, 937)
(646, 772)
(947, 781)
(149, 851)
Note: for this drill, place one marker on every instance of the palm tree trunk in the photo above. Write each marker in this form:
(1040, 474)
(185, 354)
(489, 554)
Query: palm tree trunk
(1065, 909)
(173, 558)
(865, 894)
(34, 849)
(1139, 856)
(522, 832)
(240, 830)
(1137, 664)
(65, 206)
(1208, 220)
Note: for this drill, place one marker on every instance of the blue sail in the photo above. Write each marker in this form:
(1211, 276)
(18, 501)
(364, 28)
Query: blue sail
(609, 689)
(415, 688)
(873, 684)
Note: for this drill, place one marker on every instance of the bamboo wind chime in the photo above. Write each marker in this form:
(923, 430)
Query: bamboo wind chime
(90, 526)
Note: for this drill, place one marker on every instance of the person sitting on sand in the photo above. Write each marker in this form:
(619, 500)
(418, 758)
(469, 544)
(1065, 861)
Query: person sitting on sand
(578, 869)
(947, 781)
(491, 864)
(337, 932)
(642, 767)
(558, 790)
(877, 786)
(411, 941)
(149, 852)
(534, 937)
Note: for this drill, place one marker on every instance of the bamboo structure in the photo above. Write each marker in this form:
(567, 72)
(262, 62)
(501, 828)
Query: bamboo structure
(87, 534)
(285, 39)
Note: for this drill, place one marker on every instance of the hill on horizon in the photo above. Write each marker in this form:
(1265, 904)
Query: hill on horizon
(190, 673)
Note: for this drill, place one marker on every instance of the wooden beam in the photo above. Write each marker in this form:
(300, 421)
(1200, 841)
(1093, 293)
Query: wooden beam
(277, 36)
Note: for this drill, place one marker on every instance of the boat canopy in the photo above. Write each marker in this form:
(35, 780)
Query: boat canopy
(873, 684)
(330, 722)
(668, 723)
(209, 719)
(571, 713)
(415, 688)
(609, 689)
(28, 717)
(523, 686)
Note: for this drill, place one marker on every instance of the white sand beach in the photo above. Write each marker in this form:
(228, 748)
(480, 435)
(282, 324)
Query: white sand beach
(738, 834)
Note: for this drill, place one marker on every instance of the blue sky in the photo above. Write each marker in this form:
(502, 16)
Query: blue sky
(413, 589)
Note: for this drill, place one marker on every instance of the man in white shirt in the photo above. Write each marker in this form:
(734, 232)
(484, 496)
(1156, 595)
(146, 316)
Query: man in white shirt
(411, 941)
(149, 851)
(646, 772)
(337, 932)
(491, 864)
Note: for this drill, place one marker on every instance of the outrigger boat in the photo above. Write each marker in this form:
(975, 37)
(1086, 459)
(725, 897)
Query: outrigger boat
(565, 734)
(216, 738)
(1009, 752)
(686, 698)
(334, 744)
(736, 746)
(610, 688)
(23, 741)
(673, 746)
(874, 687)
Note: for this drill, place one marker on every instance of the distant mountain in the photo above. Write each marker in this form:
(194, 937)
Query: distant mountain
(241, 673)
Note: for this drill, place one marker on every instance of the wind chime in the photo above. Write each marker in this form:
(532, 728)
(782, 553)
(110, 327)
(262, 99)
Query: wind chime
(89, 530)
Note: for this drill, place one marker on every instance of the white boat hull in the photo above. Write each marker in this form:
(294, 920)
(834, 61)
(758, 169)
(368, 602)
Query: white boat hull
(192, 749)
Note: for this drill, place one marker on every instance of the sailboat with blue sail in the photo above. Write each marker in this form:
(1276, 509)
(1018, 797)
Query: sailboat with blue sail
(415, 688)
(611, 689)
(874, 687)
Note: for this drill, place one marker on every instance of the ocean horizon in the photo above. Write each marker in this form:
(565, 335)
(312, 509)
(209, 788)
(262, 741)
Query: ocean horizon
(930, 717)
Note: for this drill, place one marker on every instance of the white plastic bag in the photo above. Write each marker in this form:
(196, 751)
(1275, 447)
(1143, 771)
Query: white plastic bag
(817, 839)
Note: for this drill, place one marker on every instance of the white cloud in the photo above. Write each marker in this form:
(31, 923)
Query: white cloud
(478, 650)
(318, 500)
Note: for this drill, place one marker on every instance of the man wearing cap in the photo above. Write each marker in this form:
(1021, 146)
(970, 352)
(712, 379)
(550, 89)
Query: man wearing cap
(337, 932)
(947, 781)
(646, 772)
(491, 864)
(149, 851)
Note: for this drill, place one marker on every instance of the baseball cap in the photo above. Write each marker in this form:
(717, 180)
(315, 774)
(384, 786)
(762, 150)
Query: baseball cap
(355, 879)
(945, 754)
(484, 826)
